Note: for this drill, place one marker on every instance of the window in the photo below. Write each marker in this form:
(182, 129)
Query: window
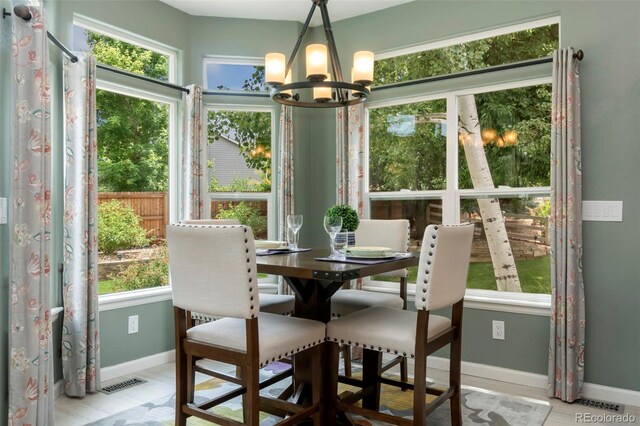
(498, 47)
(136, 139)
(234, 74)
(239, 162)
(480, 155)
(125, 51)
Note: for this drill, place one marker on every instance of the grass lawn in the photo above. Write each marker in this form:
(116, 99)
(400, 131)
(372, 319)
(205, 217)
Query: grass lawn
(535, 275)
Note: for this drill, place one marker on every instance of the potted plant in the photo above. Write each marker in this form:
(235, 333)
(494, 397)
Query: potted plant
(350, 220)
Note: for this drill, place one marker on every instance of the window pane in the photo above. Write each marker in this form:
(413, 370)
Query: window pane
(505, 138)
(133, 180)
(235, 77)
(407, 147)
(525, 222)
(120, 54)
(239, 151)
(498, 50)
(420, 214)
(253, 213)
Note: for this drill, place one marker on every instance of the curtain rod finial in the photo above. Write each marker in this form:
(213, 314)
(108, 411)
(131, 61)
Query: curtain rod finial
(579, 55)
(22, 11)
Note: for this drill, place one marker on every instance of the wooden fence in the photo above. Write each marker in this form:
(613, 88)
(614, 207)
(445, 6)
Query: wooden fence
(152, 207)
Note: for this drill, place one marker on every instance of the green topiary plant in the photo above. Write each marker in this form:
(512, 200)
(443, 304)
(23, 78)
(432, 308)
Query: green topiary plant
(349, 216)
(119, 227)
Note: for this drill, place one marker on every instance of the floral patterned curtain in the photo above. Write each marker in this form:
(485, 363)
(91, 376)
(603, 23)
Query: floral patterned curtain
(350, 157)
(285, 179)
(80, 337)
(194, 178)
(31, 399)
(566, 348)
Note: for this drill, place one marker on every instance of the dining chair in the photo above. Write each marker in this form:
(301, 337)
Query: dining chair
(213, 271)
(395, 234)
(442, 277)
(281, 304)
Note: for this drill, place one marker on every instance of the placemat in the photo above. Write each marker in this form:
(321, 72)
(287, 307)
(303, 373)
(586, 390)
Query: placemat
(271, 252)
(361, 261)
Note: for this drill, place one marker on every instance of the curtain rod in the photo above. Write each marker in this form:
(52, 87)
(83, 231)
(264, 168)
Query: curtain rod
(142, 77)
(579, 55)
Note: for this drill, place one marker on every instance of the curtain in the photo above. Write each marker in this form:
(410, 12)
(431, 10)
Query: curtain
(566, 348)
(350, 157)
(285, 182)
(80, 338)
(194, 161)
(31, 398)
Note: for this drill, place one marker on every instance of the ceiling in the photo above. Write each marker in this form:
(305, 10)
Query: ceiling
(281, 10)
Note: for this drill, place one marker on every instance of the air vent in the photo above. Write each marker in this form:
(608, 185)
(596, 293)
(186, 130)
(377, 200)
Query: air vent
(126, 384)
(618, 408)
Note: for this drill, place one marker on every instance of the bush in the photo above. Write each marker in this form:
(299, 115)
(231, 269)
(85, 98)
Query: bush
(349, 216)
(247, 215)
(145, 274)
(119, 227)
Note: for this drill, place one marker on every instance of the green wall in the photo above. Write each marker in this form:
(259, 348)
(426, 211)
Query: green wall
(608, 33)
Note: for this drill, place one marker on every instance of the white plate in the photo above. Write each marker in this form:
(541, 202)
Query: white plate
(266, 244)
(362, 251)
(378, 257)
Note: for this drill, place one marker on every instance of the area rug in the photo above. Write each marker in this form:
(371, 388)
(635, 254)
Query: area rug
(479, 407)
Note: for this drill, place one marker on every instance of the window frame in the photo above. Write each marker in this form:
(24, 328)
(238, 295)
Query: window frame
(156, 294)
(229, 60)
(524, 303)
(131, 38)
(271, 282)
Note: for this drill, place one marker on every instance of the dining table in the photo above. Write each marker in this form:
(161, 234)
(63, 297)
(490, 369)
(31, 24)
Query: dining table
(313, 282)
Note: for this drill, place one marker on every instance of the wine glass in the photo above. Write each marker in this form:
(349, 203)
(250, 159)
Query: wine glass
(294, 223)
(332, 224)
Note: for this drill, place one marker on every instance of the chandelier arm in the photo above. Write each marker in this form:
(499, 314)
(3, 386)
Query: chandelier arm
(305, 27)
(333, 52)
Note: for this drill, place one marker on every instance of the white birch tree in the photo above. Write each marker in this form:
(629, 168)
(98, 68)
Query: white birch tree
(504, 265)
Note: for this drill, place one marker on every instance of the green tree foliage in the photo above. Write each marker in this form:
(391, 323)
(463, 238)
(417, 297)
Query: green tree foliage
(119, 227)
(251, 130)
(247, 215)
(133, 138)
(150, 273)
(415, 160)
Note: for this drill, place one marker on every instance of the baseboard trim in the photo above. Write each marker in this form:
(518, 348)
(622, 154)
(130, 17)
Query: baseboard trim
(590, 390)
(129, 367)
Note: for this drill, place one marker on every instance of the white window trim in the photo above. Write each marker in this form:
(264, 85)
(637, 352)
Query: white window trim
(228, 60)
(131, 38)
(522, 303)
(157, 294)
(439, 44)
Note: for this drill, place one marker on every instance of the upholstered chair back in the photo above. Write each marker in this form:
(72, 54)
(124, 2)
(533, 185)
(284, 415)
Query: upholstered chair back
(392, 233)
(211, 222)
(443, 267)
(212, 269)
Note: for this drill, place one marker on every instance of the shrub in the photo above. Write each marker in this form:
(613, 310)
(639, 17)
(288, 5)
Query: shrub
(247, 215)
(145, 274)
(119, 227)
(349, 216)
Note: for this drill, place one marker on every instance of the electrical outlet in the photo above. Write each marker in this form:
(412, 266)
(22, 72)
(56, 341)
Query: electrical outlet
(498, 330)
(133, 324)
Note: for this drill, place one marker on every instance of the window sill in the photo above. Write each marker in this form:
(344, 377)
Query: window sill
(126, 299)
(517, 303)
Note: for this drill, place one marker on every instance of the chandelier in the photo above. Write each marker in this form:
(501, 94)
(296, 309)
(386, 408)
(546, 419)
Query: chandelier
(323, 89)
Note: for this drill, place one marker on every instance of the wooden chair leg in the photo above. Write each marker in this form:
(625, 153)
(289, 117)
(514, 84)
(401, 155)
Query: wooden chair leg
(419, 391)
(346, 356)
(404, 377)
(331, 384)
(182, 390)
(371, 367)
(251, 408)
(316, 384)
(455, 359)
